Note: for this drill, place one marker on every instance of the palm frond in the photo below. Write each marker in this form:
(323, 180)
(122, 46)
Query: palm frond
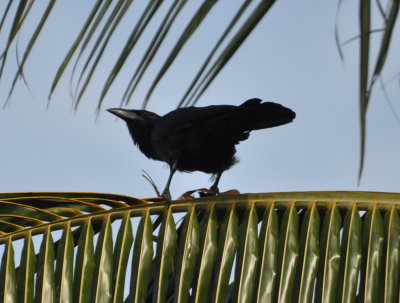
(227, 53)
(92, 41)
(31, 43)
(365, 28)
(251, 247)
(367, 81)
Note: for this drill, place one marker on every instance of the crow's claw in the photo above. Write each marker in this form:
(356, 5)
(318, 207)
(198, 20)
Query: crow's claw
(214, 189)
(204, 192)
(167, 195)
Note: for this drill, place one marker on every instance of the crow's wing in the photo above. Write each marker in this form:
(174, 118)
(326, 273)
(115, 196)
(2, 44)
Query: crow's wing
(211, 123)
(222, 122)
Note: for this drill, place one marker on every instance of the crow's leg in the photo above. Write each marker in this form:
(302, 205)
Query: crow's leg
(166, 194)
(214, 187)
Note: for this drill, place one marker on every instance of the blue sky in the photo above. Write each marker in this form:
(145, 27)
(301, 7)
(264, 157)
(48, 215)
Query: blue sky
(290, 58)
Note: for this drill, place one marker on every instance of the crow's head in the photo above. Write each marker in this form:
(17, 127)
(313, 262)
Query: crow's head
(133, 116)
(140, 124)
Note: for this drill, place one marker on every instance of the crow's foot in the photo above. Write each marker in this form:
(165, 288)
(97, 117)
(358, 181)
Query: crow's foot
(217, 193)
(214, 189)
(204, 192)
(166, 194)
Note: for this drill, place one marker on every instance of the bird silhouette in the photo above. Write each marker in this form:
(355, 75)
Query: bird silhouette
(200, 138)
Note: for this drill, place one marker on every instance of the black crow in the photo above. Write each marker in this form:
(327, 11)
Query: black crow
(200, 138)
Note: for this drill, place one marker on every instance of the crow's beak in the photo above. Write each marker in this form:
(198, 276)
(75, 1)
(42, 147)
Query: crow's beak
(126, 114)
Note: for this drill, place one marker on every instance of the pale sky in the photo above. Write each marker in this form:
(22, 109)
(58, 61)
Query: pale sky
(290, 58)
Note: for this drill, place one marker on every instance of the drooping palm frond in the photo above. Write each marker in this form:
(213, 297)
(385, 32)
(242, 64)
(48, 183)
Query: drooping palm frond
(365, 28)
(367, 80)
(105, 17)
(274, 247)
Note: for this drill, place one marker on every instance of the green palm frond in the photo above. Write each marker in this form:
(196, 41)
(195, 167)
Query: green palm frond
(271, 247)
(92, 41)
(367, 79)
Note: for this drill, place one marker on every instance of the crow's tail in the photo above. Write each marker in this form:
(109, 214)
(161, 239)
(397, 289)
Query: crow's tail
(254, 115)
